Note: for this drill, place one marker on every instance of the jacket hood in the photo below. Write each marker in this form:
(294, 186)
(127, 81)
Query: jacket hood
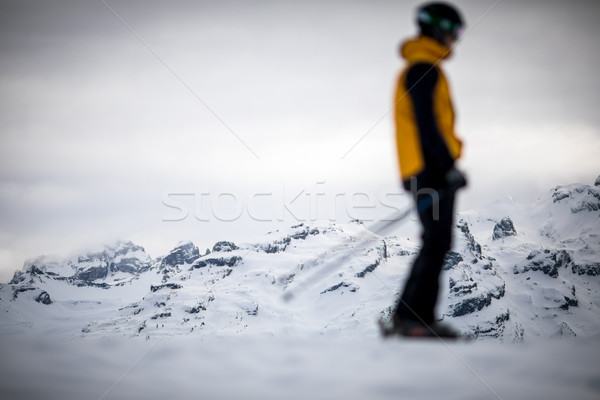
(424, 48)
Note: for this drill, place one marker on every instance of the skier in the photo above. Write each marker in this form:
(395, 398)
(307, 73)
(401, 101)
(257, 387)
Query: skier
(427, 149)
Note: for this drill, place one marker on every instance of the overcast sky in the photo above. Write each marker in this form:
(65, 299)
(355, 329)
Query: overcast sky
(220, 120)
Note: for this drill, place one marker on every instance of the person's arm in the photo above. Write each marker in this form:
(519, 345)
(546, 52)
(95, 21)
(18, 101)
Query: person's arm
(420, 83)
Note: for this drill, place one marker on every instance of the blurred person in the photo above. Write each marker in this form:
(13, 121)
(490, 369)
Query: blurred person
(427, 150)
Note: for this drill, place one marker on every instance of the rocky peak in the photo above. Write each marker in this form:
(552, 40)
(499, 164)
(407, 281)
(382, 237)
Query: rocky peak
(579, 197)
(224, 247)
(184, 253)
(503, 229)
(120, 257)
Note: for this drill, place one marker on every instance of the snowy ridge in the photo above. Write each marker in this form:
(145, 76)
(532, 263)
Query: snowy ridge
(515, 272)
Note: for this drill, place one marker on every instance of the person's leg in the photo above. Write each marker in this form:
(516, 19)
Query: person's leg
(420, 293)
(440, 239)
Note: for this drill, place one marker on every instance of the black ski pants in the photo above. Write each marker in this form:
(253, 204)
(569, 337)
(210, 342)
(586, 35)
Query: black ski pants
(420, 294)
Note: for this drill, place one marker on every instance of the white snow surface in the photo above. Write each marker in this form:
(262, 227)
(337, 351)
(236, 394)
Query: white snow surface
(289, 367)
(114, 323)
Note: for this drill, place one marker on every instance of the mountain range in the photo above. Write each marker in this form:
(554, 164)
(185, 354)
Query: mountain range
(515, 272)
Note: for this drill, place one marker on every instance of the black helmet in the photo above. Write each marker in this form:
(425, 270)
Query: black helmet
(437, 20)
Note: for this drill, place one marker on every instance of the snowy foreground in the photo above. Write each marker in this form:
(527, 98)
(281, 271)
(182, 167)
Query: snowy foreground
(522, 282)
(325, 367)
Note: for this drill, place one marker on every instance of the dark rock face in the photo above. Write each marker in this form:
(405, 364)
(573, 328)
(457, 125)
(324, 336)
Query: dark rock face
(119, 257)
(369, 268)
(128, 265)
(167, 285)
(21, 276)
(33, 270)
(569, 302)
(492, 329)
(472, 245)
(218, 262)
(547, 261)
(503, 229)
(224, 247)
(186, 253)
(277, 246)
(21, 290)
(43, 298)
(303, 234)
(161, 315)
(451, 260)
(18, 277)
(80, 283)
(339, 286)
(93, 273)
(462, 288)
(589, 269)
(477, 303)
(581, 197)
(281, 245)
(474, 284)
(196, 309)
(252, 311)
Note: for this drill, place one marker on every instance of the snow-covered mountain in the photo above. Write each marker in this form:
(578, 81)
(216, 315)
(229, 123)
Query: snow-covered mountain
(515, 272)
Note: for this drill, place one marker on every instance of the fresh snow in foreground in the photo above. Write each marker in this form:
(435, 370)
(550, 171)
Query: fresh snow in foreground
(285, 367)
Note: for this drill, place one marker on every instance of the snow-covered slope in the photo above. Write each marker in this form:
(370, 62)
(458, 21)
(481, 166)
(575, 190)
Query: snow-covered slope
(515, 272)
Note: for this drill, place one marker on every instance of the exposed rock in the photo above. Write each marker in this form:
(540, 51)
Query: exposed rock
(196, 309)
(276, 246)
(581, 197)
(303, 234)
(281, 245)
(472, 284)
(503, 229)
(224, 247)
(569, 302)
(560, 194)
(161, 315)
(43, 298)
(125, 257)
(217, 262)
(477, 303)
(369, 268)
(80, 283)
(588, 269)
(492, 329)
(472, 244)
(451, 260)
(564, 330)
(21, 290)
(252, 311)
(166, 285)
(462, 288)
(91, 274)
(18, 277)
(589, 203)
(547, 261)
(183, 254)
(340, 285)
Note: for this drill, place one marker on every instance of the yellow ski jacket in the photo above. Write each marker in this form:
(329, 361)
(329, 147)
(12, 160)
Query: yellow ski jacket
(424, 114)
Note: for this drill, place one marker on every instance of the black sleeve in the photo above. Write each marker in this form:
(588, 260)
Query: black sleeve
(420, 83)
